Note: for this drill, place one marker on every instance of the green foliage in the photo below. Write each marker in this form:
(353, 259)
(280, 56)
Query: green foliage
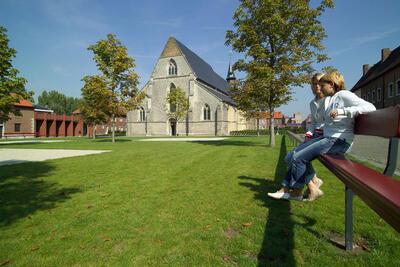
(250, 132)
(178, 104)
(58, 102)
(12, 87)
(95, 100)
(118, 76)
(280, 40)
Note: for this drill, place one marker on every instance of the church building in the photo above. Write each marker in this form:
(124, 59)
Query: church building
(211, 110)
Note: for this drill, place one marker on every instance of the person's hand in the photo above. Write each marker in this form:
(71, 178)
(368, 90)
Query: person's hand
(334, 113)
(308, 136)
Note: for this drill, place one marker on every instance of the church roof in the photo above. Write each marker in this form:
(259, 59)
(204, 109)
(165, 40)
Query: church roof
(202, 70)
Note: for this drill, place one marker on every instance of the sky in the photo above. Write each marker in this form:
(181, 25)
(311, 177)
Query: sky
(51, 37)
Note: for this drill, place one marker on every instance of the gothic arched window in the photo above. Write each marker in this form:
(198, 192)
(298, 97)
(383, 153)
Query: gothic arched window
(142, 114)
(172, 68)
(206, 112)
(172, 107)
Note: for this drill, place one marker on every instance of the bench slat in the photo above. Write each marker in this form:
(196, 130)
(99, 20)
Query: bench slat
(383, 123)
(380, 192)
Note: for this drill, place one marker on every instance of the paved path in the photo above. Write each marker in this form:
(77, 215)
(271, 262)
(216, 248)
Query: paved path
(373, 149)
(184, 139)
(31, 142)
(13, 156)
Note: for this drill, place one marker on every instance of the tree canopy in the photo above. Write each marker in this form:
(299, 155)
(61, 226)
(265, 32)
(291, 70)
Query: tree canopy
(58, 102)
(279, 40)
(12, 87)
(178, 104)
(95, 101)
(118, 76)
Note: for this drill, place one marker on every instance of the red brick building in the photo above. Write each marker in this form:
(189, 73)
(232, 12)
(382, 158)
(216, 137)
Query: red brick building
(380, 84)
(36, 121)
(105, 128)
(22, 125)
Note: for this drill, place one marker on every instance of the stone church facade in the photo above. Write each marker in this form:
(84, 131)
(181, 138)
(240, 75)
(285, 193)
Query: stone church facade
(211, 112)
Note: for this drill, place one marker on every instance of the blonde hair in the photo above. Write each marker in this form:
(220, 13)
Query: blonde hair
(335, 78)
(316, 77)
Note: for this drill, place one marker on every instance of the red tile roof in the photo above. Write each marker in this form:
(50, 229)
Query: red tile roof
(24, 103)
(277, 115)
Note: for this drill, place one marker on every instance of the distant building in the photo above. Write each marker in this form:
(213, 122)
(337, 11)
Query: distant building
(380, 84)
(307, 122)
(105, 128)
(39, 121)
(297, 118)
(264, 120)
(22, 125)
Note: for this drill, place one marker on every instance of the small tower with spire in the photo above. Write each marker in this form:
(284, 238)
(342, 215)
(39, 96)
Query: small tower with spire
(230, 78)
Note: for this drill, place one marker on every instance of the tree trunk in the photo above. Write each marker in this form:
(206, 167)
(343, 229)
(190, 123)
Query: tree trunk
(113, 128)
(271, 129)
(258, 126)
(94, 131)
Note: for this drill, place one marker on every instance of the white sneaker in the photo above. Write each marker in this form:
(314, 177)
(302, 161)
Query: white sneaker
(284, 196)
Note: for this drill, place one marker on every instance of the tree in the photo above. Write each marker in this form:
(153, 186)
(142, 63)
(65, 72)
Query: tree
(178, 105)
(12, 87)
(247, 101)
(280, 40)
(95, 101)
(118, 75)
(58, 102)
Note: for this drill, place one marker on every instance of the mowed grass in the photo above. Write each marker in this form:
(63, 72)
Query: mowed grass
(177, 204)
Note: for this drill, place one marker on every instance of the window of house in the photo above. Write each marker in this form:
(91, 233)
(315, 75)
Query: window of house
(142, 114)
(378, 94)
(172, 68)
(206, 112)
(373, 96)
(17, 127)
(390, 90)
(369, 97)
(18, 112)
(398, 87)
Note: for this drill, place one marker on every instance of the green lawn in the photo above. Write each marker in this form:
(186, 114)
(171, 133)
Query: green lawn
(176, 204)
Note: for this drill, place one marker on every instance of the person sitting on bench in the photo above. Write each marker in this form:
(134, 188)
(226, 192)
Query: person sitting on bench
(340, 108)
(315, 130)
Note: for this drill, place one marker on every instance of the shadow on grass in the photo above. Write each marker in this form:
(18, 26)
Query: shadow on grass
(23, 191)
(230, 142)
(277, 246)
(108, 140)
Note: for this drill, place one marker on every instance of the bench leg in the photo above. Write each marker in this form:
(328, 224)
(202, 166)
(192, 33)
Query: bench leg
(348, 218)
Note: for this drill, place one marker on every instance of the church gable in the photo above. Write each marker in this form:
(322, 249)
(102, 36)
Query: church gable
(171, 49)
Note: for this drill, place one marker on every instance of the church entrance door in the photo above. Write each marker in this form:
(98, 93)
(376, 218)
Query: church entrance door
(172, 123)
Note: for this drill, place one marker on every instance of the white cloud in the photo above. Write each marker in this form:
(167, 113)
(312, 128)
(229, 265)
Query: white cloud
(74, 14)
(361, 40)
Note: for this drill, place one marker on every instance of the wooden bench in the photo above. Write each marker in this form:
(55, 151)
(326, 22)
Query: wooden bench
(378, 190)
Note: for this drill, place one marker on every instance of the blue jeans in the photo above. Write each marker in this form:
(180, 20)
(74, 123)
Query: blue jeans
(300, 170)
(310, 173)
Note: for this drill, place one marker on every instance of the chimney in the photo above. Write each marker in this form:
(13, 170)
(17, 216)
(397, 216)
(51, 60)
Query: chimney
(385, 52)
(365, 68)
